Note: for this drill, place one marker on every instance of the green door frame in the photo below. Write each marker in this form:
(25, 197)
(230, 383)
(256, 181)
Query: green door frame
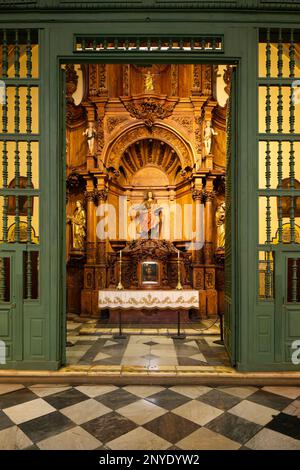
(162, 57)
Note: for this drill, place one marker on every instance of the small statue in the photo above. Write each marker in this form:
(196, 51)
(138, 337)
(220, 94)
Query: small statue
(220, 223)
(208, 133)
(149, 86)
(148, 217)
(78, 221)
(90, 134)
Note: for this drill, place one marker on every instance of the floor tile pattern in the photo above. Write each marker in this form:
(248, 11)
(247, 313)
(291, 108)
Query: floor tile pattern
(92, 344)
(149, 417)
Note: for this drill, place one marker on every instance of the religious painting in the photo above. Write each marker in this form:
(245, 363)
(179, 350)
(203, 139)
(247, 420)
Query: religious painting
(149, 273)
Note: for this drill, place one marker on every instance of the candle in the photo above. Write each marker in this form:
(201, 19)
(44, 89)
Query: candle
(178, 254)
(120, 255)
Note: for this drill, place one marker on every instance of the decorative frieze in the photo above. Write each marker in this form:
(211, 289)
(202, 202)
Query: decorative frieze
(149, 109)
(185, 122)
(113, 122)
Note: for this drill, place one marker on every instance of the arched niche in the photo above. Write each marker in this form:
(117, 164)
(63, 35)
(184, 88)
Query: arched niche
(115, 149)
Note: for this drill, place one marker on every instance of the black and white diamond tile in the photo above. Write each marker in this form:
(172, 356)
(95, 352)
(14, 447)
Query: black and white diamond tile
(150, 417)
(95, 347)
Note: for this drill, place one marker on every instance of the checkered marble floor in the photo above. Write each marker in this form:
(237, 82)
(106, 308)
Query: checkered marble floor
(91, 344)
(149, 417)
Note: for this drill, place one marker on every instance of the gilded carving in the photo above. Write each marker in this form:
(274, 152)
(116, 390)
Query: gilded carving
(197, 194)
(100, 135)
(199, 279)
(185, 122)
(207, 80)
(93, 79)
(114, 121)
(126, 71)
(174, 79)
(89, 279)
(198, 135)
(210, 278)
(142, 132)
(102, 89)
(149, 109)
(196, 78)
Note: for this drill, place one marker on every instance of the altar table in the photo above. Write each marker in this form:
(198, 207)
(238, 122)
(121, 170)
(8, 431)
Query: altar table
(180, 301)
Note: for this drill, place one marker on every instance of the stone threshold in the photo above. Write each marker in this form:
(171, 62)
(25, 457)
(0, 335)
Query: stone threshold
(139, 375)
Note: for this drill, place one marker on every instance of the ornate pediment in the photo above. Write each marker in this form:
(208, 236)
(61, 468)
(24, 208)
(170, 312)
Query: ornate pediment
(150, 248)
(149, 108)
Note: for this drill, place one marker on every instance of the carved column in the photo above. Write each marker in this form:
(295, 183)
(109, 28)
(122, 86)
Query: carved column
(197, 254)
(197, 197)
(101, 197)
(100, 268)
(210, 268)
(91, 226)
(209, 220)
(89, 269)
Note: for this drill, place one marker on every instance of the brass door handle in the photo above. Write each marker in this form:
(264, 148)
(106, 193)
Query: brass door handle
(13, 305)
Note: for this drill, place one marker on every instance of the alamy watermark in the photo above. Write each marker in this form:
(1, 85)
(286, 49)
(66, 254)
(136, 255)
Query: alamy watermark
(163, 221)
(2, 92)
(296, 92)
(2, 352)
(296, 352)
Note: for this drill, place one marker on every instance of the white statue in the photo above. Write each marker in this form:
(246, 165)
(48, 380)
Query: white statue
(90, 134)
(208, 133)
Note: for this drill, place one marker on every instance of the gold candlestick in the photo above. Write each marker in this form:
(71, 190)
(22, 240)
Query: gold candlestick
(179, 285)
(120, 285)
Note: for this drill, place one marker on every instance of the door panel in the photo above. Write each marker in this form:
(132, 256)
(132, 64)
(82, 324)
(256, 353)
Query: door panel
(7, 305)
(288, 300)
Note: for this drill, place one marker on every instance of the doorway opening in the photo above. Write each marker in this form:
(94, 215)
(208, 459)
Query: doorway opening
(146, 155)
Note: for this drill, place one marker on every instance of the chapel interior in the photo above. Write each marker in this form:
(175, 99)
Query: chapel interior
(145, 155)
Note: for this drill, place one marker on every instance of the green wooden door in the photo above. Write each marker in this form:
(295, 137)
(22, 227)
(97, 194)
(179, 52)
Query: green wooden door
(287, 298)
(229, 317)
(10, 306)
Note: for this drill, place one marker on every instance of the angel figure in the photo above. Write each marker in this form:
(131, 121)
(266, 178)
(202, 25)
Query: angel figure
(90, 134)
(209, 132)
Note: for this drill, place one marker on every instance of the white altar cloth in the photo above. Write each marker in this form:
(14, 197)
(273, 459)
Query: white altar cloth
(138, 299)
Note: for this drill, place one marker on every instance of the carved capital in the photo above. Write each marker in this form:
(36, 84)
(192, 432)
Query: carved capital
(100, 195)
(209, 196)
(89, 196)
(197, 194)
